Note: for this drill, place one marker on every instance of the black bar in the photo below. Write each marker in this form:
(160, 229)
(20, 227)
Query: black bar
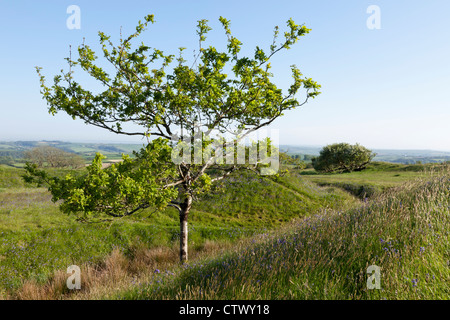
(217, 309)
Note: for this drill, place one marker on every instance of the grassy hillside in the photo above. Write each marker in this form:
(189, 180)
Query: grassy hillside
(10, 178)
(36, 240)
(404, 231)
(253, 238)
(378, 177)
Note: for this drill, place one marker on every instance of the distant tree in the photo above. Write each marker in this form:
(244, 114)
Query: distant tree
(8, 160)
(293, 160)
(223, 91)
(342, 157)
(26, 143)
(47, 156)
(13, 154)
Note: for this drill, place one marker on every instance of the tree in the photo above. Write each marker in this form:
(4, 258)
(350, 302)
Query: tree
(53, 157)
(293, 160)
(8, 160)
(178, 107)
(342, 157)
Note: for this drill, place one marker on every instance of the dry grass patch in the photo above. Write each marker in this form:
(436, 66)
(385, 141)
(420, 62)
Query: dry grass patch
(117, 272)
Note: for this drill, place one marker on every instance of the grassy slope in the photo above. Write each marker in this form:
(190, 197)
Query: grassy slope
(379, 176)
(318, 257)
(36, 239)
(404, 231)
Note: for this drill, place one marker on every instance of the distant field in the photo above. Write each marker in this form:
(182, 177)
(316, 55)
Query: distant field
(12, 153)
(6, 147)
(383, 155)
(114, 151)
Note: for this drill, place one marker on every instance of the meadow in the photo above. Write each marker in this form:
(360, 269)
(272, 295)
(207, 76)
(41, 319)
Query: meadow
(37, 240)
(300, 236)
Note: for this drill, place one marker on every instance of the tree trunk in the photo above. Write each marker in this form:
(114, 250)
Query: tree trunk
(185, 208)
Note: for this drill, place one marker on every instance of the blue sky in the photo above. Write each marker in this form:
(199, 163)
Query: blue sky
(382, 88)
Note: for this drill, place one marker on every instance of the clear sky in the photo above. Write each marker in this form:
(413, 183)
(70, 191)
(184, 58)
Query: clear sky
(382, 88)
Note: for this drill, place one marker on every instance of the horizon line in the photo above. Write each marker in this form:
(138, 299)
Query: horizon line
(280, 145)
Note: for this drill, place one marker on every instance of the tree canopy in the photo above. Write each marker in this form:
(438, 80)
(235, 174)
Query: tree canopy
(48, 156)
(177, 105)
(342, 157)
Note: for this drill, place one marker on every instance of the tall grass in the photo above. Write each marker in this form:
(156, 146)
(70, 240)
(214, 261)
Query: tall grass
(404, 231)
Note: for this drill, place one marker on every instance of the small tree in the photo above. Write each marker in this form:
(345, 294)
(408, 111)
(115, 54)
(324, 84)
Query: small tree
(342, 157)
(47, 156)
(220, 91)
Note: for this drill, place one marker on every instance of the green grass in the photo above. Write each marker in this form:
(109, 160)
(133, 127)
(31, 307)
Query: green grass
(37, 239)
(10, 178)
(324, 254)
(249, 200)
(404, 231)
(378, 177)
